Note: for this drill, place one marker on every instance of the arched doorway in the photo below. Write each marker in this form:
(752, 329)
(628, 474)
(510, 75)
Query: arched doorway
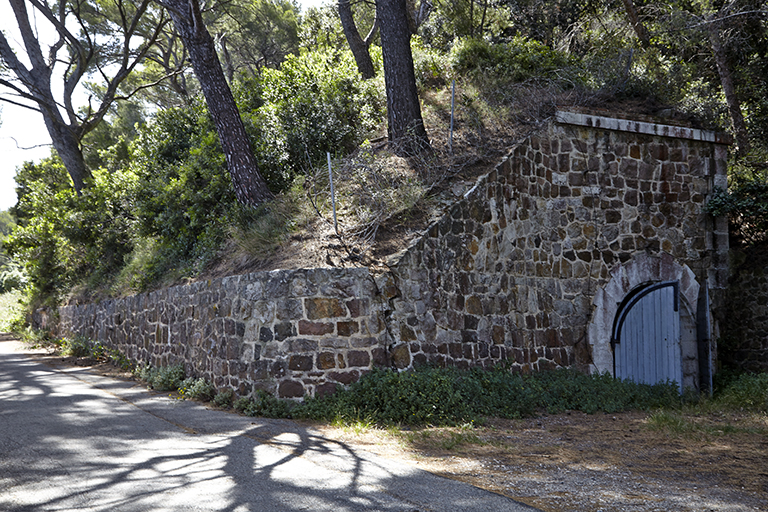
(629, 281)
(646, 337)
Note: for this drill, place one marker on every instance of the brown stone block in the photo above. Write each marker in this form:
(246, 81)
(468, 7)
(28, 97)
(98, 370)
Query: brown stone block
(290, 389)
(300, 363)
(358, 358)
(320, 308)
(326, 360)
(401, 356)
(325, 389)
(315, 328)
(379, 357)
(406, 333)
(345, 378)
(347, 328)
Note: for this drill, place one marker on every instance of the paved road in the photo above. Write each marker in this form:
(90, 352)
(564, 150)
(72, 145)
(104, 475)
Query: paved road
(73, 440)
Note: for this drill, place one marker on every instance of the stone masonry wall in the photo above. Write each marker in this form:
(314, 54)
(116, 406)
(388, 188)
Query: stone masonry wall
(744, 340)
(511, 271)
(509, 274)
(289, 332)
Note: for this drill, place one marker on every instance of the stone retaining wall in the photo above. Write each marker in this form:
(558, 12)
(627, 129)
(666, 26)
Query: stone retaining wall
(289, 332)
(512, 271)
(744, 340)
(522, 270)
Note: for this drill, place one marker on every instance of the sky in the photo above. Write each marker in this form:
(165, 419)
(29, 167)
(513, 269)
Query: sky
(23, 136)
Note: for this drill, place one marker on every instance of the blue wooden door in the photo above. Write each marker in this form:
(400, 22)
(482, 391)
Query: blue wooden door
(646, 335)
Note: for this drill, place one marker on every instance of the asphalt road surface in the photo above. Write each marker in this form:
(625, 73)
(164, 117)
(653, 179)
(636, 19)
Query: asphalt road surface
(71, 440)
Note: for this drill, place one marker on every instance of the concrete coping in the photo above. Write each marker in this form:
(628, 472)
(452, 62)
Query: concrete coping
(644, 127)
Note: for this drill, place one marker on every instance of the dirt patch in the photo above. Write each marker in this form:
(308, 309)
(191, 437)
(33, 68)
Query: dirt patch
(601, 462)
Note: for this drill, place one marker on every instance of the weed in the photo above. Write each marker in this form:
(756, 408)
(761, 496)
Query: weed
(747, 392)
(79, 346)
(168, 378)
(224, 398)
(448, 396)
(263, 404)
(196, 389)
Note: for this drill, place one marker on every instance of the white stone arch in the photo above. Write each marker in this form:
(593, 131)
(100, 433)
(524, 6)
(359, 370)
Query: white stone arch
(640, 270)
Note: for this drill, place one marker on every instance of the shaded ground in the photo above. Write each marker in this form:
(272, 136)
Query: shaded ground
(601, 462)
(575, 461)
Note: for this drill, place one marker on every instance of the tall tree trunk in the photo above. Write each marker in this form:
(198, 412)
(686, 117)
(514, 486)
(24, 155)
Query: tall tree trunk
(637, 25)
(67, 146)
(356, 43)
(250, 187)
(726, 80)
(403, 108)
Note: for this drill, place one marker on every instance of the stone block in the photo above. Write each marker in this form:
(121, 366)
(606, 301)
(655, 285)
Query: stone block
(345, 378)
(321, 308)
(347, 328)
(288, 309)
(290, 389)
(401, 356)
(284, 330)
(302, 345)
(326, 361)
(300, 363)
(309, 328)
(358, 358)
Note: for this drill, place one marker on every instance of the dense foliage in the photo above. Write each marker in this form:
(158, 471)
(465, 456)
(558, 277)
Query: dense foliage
(160, 206)
(447, 396)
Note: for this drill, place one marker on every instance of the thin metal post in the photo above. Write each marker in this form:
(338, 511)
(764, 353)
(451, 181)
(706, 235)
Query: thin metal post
(453, 98)
(333, 194)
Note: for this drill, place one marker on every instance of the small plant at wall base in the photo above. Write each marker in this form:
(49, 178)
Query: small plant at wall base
(168, 378)
(197, 389)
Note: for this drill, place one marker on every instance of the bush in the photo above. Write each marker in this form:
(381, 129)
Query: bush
(746, 205)
(519, 60)
(168, 378)
(224, 398)
(197, 389)
(263, 404)
(315, 103)
(748, 392)
(64, 238)
(447, 396)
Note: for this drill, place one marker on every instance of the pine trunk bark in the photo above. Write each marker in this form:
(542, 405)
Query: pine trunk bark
(67, 146)
(356, 43)
(250, 187)
(403, 108)
(637, 25)
(731, 98)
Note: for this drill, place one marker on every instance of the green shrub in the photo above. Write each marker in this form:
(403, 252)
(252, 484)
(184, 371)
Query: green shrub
(315, 103)
(197, 389)
(224, 398)
(263, 404)
(447, 396)
(79, 346)
(748, 391)
(746, 205)
(64, 238)
(519, 60)
(168, 378)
